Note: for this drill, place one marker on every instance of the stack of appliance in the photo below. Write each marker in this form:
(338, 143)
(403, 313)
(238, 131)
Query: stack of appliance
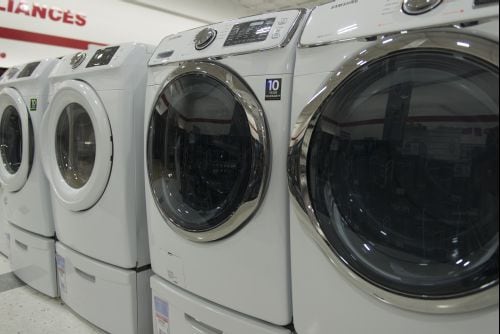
(23, 101)
(92, 137)
(4, 248)
(4, 234)
(216, 134)
(393, 168)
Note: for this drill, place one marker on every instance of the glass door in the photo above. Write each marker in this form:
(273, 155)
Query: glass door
(401, 171)
(77, 144)
(16, 140)
(207, 153)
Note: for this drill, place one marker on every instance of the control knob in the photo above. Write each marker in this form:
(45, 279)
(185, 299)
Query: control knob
(204, 38)
(77, 59)
(417, 7)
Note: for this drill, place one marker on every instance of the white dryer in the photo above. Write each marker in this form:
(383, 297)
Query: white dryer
(92, 137)
(4, 235)
(23, 100)
(4, 245)
(26, 199)
(393, 168)
(216, 129)
(92, 149)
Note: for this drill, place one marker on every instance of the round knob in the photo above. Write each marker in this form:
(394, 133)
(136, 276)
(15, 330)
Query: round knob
(77, 59)
(204, 38)
(417, 7)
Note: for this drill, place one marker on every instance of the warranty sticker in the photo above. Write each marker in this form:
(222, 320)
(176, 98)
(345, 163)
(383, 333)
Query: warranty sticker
(33, 104)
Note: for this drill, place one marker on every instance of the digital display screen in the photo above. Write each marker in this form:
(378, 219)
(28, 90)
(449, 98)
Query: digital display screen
(249, 32)
(102, 56)
(28, 70)
(484, 2)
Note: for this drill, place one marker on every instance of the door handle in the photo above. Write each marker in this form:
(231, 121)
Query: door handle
(200, 326)
(86, 276)
(21, 245)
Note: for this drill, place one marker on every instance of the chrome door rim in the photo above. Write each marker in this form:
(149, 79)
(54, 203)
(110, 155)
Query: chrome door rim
(259, 131)
(15, 181)
(442, 39)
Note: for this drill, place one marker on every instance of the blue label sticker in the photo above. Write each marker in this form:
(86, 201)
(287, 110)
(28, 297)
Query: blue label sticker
(61, 262)
(273, 89)
(161, 309)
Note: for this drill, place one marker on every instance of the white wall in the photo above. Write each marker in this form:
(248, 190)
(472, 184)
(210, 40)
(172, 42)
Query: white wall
(208, 11)
(71, 25)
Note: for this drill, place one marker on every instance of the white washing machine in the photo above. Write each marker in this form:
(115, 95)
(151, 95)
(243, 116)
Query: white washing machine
(4, 245)
(4, 235)
(93, 156)
(23, 100)
(26, 200)
(216, 129)
(179, 312)
(93, 149)
(393, 168)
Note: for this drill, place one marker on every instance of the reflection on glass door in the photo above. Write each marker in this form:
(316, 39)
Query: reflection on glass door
(75, 145)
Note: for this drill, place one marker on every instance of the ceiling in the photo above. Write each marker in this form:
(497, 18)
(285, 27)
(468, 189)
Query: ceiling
(260, 6)
(210, 11)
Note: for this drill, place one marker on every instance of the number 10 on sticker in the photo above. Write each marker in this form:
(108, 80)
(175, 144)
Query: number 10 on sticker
(273, 89)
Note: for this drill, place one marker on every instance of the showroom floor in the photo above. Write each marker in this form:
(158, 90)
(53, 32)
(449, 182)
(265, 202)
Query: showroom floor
(24, 310)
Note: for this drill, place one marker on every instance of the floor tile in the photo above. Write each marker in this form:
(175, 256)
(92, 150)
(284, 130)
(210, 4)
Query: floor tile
(24, 310)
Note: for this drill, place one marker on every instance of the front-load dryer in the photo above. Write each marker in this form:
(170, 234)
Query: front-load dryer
(23, 102)
(92, 137)
(393, 168)
(216, 130)
(4, 249)
(92, 148)
(26, 198)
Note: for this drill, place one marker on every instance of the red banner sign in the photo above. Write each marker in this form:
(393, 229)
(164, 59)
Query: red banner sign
(43, 12)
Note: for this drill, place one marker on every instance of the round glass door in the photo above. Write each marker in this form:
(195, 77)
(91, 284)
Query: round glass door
(16, 140)
(402, 173)
(11, 139)
(77, 144)
(206, 163)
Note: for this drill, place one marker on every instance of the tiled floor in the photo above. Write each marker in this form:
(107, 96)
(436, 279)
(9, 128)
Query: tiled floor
(26, 311)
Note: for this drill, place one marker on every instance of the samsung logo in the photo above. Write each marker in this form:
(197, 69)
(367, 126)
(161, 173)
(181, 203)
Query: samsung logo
(344, 4)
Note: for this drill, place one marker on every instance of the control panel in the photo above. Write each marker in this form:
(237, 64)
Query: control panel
(102, 56)
(260, 32)
(28, 70)
(249, 32)
(348, 19)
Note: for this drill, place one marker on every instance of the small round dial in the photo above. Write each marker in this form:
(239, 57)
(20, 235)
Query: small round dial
(77, 59)
(417, 7)
(204, 38)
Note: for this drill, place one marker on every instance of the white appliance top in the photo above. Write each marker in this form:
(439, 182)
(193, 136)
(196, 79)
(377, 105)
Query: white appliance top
(30, 71)
(97, 59)
(348, 19)
(239, 36)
